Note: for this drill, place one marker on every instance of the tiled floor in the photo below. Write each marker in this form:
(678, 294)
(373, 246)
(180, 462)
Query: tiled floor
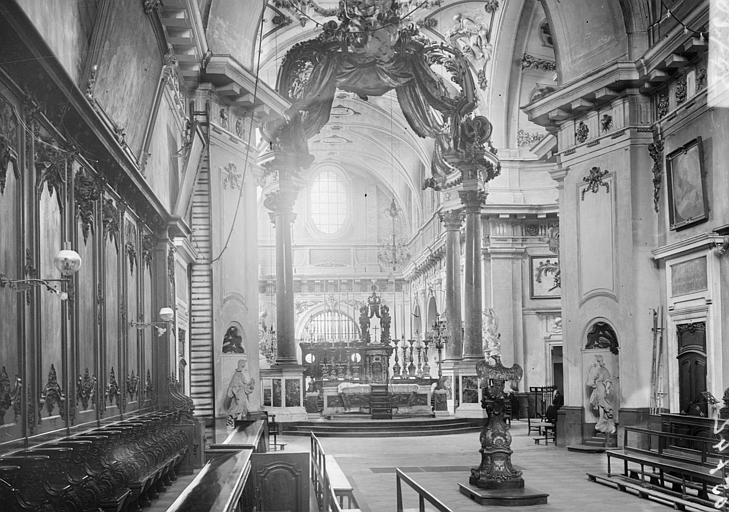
(440, 463)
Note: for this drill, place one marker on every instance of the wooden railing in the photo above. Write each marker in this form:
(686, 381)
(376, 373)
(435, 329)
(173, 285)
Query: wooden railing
(331, 496)
(423, 494)
(226, 483)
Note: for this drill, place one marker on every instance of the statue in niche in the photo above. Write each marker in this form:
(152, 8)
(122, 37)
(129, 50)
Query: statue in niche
(233, 341)
(602, 395)
(240, 387)
(491, 336)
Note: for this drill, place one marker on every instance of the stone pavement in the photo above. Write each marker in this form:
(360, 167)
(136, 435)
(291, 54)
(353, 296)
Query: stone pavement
(440, 463)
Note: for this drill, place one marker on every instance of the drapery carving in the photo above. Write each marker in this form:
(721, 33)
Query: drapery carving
(368, 52)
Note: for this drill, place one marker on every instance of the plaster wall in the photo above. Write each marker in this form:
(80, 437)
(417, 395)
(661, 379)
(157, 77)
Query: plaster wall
(605, 254)
(163, 163)
(586, 35)
(233, 29)
(235, 279)
(129, 65)
(66, 26)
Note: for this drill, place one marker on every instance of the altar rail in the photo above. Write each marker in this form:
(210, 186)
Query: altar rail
(423, 494)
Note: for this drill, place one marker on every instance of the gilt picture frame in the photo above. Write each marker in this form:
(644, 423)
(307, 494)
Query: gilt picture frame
(544, 272)
(686, 185)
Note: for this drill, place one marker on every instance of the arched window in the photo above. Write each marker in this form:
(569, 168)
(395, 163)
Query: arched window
(331, 326)
(328, 200)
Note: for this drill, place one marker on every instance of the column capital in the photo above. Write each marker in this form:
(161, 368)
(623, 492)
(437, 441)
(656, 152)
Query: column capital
(452, 219)
(472, 200)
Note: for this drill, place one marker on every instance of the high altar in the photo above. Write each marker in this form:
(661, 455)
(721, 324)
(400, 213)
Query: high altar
(347, 377)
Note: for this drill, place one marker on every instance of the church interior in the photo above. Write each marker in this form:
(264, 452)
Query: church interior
(268, 255)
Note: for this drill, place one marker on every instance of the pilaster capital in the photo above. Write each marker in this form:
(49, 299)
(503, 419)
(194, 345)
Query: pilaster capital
(452, 219)
(472, 200)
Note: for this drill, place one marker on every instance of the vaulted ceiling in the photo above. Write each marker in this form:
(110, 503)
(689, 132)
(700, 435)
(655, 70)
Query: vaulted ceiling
(508, 44)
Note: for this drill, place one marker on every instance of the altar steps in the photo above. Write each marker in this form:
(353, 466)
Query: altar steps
(383, 428)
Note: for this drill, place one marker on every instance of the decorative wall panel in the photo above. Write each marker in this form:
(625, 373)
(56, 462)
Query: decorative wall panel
(10, 343)
(87, 352)
(131, 275)
(112, 305)
(596, 240)
(147, 338)
(50, 341)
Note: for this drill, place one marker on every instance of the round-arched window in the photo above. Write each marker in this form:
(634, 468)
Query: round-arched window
(328, 201)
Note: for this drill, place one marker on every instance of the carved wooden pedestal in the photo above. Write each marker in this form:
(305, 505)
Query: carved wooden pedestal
(495, 481)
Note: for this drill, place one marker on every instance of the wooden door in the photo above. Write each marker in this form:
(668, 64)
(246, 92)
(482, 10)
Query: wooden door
(281, 481)
(691, 382)
(692, 367)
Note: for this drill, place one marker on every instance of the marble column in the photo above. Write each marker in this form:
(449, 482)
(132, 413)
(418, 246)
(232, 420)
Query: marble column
(472, 342)
(281, 204)
(452, 221)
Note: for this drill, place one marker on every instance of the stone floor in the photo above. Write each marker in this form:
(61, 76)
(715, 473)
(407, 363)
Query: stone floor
(440, 463)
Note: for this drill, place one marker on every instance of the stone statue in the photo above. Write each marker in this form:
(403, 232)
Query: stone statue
(240, 387)
(385, 320)
(602, 397)
(491, 342)
(364, 323)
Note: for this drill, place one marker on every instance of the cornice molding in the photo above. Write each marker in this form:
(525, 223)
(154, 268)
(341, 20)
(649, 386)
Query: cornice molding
(702, 241)
(224, 69)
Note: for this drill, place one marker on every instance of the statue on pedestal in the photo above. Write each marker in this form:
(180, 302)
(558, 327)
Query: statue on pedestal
(385, 324)
(240, 387)
(364, 323)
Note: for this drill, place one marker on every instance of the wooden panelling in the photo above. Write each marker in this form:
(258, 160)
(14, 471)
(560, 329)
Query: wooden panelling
(78, 360)
(51, 368)
(112, 321)
(131, 273)
(10, 263)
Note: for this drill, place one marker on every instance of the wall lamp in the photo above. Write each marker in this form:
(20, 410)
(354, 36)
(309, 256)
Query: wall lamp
(166, 316)
(67, 262)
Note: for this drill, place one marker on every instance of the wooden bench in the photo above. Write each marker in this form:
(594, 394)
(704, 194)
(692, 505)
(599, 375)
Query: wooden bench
(682, 470)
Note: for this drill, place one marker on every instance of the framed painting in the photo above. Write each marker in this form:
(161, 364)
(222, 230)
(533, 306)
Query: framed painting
(545, 277)
(687, 203)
